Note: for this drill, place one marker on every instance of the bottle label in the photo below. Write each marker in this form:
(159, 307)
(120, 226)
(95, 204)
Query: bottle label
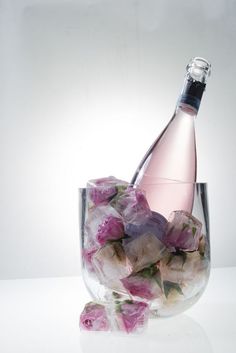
(190, 100)
(192, 93)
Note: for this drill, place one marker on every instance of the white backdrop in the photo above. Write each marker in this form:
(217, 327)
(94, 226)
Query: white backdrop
(86, 86)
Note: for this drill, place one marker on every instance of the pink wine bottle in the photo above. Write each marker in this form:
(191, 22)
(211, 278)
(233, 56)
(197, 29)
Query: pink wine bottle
(168, 170)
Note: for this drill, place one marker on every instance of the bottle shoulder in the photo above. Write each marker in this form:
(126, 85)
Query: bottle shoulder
(180, 126)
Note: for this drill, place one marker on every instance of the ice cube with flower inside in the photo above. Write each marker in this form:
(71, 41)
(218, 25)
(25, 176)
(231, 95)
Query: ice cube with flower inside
(102, 190)
(190, 270)
(145, 284)
(94, 318)
(183, 232)
(126, 316)
(111, 264)
(132, 205)
(132, 316)
(103, 223)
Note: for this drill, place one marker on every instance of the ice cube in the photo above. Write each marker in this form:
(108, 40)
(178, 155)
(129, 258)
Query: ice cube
(132, 316)
(183, 268)
(144, 286)
(111, 228)
(144, 250)
(94, 318)
(111, 264)
(183, 231)
(101, 191)
(133, 206)
(103, 223)
(127, 316)
(155, 224)
(87, 256)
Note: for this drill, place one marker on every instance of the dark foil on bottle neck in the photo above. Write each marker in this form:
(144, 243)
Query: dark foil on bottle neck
(192, 93)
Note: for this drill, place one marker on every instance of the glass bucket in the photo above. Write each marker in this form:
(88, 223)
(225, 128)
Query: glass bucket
(130, 252)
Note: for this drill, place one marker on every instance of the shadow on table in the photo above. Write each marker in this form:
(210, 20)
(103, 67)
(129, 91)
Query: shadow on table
(177, 334)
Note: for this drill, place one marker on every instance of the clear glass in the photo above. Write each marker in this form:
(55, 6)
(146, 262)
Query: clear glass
(199, 69)
(165, 263)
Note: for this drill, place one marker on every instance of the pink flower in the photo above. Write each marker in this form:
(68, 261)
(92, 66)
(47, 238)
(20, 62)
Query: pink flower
(132, 315)
(133, 206)
(183, 232)
(94, 318)
(102, 190)
(111, 228)
(146, 288)
(102, 195)
(87, 256)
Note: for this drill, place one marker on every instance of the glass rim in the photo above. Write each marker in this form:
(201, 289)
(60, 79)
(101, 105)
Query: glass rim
(165, 182)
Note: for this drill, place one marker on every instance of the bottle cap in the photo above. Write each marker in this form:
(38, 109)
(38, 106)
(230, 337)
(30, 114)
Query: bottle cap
(199, 69)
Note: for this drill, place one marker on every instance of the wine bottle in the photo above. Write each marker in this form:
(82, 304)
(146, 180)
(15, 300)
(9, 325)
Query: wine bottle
(169, 168)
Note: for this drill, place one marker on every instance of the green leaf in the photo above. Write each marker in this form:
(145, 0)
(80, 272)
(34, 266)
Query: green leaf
(157, 278)
(170, 259)
(183, 255)
(185, 225)
(120, 191)
(116, 295)
(194, 229)
(203, 245)
(118, 307)
(169, 286)
(128, 301)
(148, 272)
(121, 188)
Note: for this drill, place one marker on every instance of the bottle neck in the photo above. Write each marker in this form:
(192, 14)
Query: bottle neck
(191, 96)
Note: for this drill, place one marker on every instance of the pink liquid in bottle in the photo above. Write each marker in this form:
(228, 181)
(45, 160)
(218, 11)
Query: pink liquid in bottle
(168, 171)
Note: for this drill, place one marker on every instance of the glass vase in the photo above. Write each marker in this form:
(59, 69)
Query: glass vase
(130, 252)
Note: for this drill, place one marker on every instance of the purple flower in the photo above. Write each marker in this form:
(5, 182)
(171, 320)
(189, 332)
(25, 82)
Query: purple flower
(155, 224)
(183, 232)
(111, 228)
(139, 286)
(133, 206)
(102, 190)
(132, 315)
(87, 256)
(94, 318)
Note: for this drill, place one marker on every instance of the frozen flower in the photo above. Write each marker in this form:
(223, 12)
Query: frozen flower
(146, 284)
(111, 264)
(103, 222)
(188, 270)
(133, 206)
(204, 248)
(144, 251)
(87, 256)
(132, 315)
(94, 318)
(111, 228)
(183, 232)
(127, 316)
(154, 224)
(101, 191)
(181, 266)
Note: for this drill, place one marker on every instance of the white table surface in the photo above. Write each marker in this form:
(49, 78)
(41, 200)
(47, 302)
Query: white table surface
(42, 315)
